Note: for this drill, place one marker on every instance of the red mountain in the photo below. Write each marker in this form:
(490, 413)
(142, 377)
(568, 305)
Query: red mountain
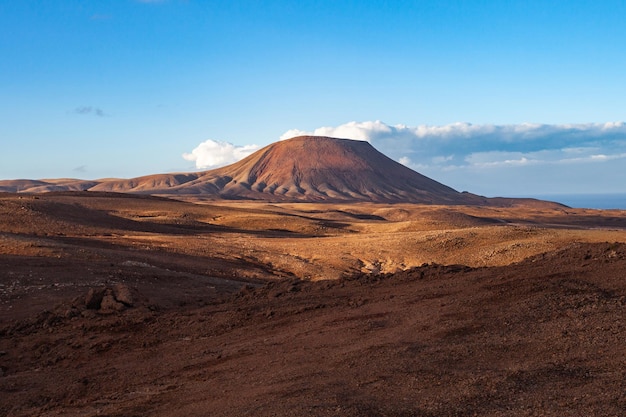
(306, 168)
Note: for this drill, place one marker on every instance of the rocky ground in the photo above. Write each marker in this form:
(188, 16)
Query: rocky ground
(126, 306)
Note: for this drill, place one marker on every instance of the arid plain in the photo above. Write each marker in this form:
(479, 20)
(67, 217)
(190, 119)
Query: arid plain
(123, 305)
(316, 277)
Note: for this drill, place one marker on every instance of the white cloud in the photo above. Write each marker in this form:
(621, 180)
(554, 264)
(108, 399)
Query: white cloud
(212, 154)
(405, 161)
(442, 159)
(352, 130)
(292, 133)
(455, 142)
(500, 161)
(486, 158)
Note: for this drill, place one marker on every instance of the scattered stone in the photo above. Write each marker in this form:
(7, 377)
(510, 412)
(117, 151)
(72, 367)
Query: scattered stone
(71, 312)
(88, 314)
(93, 300)
(107, 300)
(110, 304)
(123, 294)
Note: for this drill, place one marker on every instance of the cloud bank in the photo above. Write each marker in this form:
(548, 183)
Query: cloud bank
(212, 154)
(508, 160)
(511, 159)
(467, 144)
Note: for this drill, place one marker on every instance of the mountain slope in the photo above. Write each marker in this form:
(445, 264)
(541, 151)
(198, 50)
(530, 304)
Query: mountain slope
(305, 168)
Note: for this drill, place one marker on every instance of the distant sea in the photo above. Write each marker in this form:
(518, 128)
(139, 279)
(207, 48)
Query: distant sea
(591, 201)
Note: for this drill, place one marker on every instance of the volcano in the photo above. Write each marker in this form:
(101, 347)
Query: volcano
(304, 168)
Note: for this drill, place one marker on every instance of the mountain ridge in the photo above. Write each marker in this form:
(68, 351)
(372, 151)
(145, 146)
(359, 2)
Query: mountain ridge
(300, 169)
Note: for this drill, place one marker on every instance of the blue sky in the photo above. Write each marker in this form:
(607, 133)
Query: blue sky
(531, 93)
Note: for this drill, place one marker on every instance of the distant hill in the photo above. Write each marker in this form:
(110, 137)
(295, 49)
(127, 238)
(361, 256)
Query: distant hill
(305, 168)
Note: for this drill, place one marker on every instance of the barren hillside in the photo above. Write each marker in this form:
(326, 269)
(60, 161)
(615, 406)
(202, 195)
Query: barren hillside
(133, 305)
(307, 169)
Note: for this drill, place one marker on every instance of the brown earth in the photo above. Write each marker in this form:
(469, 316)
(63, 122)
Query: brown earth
(120, 305)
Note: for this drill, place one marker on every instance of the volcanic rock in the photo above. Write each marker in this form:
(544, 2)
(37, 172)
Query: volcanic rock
(93, 299)
(110, 304)
(123, 294)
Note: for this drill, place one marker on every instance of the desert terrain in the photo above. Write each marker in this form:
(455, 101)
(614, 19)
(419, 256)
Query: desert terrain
(133, 305)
